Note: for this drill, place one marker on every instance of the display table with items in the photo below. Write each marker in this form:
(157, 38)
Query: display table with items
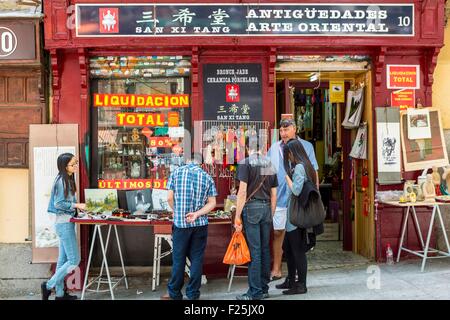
(162, 224)
(409, 209)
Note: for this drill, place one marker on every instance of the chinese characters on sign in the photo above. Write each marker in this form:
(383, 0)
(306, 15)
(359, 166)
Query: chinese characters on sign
(232, 92)
(244, 19)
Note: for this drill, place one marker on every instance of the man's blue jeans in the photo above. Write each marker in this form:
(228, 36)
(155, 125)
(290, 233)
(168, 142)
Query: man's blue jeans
(68, 258)
(257, 220)
(190, 243)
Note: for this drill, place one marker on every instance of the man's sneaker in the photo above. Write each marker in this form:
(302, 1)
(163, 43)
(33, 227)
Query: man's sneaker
(243, 297)
(66, 296)
(266, 295)
(285, 285)
(45, 293)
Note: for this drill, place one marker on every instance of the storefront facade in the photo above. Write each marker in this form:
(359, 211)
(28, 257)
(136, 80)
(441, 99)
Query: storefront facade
(22, 102)
(87, 53)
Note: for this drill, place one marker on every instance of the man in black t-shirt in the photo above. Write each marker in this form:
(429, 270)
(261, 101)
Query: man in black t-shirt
(256, 202)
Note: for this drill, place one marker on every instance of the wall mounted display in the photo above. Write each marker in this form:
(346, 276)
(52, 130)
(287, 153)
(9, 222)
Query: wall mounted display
(419, 154)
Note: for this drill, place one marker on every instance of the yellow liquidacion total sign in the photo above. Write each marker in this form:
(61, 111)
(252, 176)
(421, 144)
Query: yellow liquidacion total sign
(337, 91)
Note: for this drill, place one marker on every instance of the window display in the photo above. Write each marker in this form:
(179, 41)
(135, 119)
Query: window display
(140, 108)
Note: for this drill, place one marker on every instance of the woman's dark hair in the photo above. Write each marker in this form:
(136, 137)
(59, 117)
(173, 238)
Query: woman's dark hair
(68, 181)
(295, 147)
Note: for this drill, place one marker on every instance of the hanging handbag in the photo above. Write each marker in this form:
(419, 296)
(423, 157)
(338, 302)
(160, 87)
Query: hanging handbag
(307, 210)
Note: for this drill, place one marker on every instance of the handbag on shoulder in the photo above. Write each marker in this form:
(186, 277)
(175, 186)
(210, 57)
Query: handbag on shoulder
(307, 210)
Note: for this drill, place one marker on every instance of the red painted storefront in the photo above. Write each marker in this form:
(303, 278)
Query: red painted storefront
(70, 75)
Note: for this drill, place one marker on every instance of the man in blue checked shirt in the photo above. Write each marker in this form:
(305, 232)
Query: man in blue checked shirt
(192, 194)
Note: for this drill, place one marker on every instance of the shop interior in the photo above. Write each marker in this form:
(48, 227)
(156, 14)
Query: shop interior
(303, 91)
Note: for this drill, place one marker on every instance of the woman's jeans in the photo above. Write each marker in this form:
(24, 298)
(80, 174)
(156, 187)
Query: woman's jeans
(68, 258)
(257, 220)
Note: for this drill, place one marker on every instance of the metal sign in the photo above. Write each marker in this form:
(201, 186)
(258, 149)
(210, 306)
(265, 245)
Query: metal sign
(17, 41)
(402, 76)
(143, 20)
(232, 92)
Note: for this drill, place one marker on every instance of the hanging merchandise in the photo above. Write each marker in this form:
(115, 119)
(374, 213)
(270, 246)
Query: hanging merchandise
(388, 145)
(317, 115)
(366, 204)
(328, 141)
(354, 108)
(240, 144)
(307, 115)
(359, 149)
(230, 135)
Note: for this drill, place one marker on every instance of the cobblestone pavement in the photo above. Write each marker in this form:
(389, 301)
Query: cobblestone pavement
(329, 254)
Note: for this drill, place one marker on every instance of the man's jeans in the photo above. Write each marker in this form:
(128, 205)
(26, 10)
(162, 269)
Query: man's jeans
(257, 220)
(190, 243)
(68, 258)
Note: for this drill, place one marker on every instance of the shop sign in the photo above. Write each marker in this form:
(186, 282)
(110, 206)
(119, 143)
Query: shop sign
(403, 76)
(374, 19)
(173, 119)
(140, 119)
(17, 41)
(232, 92)
(160, 142)
(132, 184)
(403, 99)
(337, 91)
(141, 100)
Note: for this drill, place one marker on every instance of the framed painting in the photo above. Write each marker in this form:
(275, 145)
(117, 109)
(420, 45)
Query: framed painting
(419, 154)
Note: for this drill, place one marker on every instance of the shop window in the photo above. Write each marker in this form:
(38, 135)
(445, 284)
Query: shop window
(140, 108)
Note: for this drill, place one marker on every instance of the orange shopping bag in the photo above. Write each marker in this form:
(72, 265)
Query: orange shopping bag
(237, 252)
